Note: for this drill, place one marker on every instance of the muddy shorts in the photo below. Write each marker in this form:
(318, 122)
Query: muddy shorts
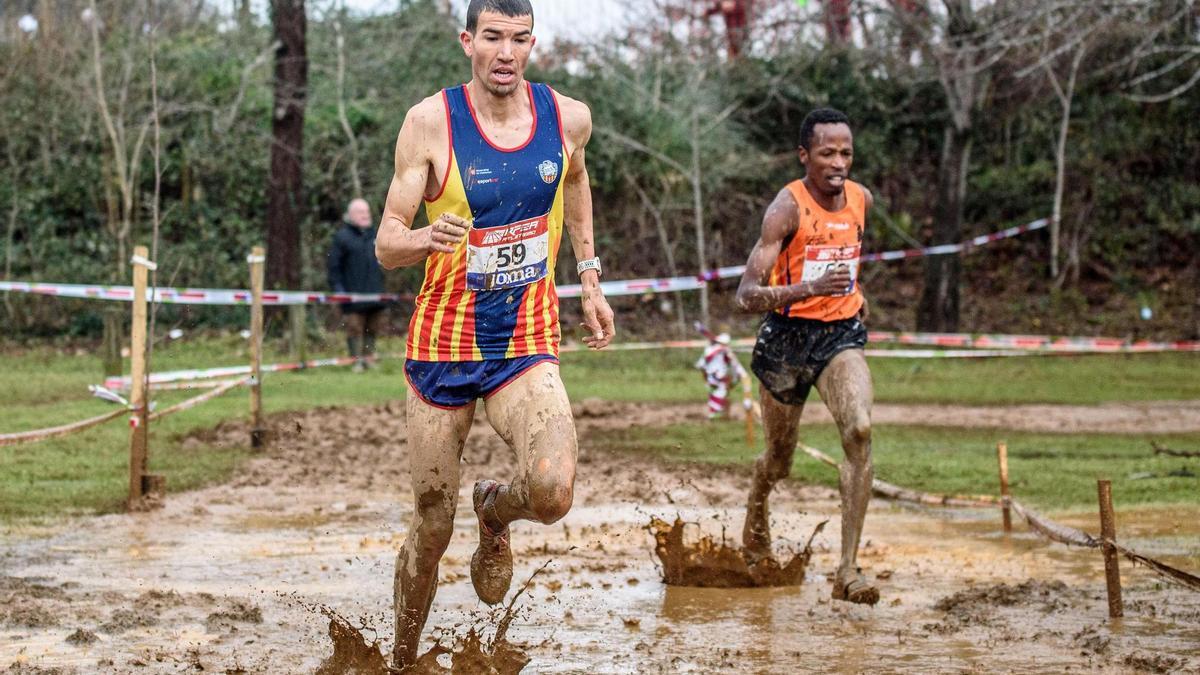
(790, 354)
(455, 384)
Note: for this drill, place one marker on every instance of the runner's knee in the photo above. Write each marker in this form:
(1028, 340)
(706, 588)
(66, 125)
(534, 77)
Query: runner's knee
(550, 496)
(856, 434)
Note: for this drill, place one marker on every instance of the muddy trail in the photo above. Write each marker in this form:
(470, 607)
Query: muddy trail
(242, 578)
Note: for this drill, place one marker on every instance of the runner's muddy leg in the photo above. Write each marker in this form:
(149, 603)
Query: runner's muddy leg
(781, 428)
(533, 415)
(845, 386)
(435, 441)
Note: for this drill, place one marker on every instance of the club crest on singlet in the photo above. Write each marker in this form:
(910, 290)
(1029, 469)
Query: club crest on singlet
(548, 171)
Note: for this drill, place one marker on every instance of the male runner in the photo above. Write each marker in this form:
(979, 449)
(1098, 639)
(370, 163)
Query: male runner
(803, 271)
(500, 164)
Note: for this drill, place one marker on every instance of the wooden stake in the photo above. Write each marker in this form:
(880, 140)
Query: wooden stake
(1108, 533)
(299, 346)
(1005, 498)
(258, 256)
(748, 405)
(138, 453)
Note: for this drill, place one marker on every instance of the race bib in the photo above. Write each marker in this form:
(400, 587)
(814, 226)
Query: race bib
(508, 257)
(820, 259)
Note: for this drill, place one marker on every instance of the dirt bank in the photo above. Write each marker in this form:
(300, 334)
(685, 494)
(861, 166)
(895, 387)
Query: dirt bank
(230, 579)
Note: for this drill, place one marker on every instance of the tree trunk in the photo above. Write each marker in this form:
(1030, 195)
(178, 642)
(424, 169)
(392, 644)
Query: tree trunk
(938, 310)
(698, 212)
(285, 197)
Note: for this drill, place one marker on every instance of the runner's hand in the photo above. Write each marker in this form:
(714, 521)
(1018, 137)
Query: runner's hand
(835, 281)
(446, 233)
(865, 311)
(597, 319)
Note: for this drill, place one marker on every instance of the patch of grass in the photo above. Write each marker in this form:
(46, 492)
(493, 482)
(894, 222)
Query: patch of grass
(88, 473)
(1049, 471)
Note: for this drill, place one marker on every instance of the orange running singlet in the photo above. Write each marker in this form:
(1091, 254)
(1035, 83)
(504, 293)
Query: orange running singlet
(823, 240)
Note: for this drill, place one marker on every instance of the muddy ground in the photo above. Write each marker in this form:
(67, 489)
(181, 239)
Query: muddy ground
(232, 579)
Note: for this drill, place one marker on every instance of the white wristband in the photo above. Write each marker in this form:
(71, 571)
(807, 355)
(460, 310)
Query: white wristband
(589, 264)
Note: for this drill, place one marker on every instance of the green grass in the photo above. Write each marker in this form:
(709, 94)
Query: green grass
(1049, 471)
(87, 473)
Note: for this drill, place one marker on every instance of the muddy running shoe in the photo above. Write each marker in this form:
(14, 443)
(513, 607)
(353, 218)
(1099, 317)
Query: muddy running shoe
(492, 563)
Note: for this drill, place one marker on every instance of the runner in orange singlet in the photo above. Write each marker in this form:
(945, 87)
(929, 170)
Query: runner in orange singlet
(803, 272)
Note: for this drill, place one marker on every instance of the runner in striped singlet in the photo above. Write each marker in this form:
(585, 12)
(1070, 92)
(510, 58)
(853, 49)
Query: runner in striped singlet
(499, 163)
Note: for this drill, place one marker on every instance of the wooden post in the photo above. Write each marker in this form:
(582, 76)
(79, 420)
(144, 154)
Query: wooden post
(298, 319)
(1108, 533)
(748, 405)
(139, 430)
(1005, 497)
(258, 256)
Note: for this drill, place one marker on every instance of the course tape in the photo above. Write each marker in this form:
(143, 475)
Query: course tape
(1035, 343)
(942, 249)
(1038, 523)
(226, 371)
(195, 296)
(227, 296)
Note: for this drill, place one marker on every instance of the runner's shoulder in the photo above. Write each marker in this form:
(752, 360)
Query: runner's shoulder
(427, 116)
(576, 117)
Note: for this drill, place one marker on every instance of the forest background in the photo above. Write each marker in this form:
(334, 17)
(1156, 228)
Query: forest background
(223, 127)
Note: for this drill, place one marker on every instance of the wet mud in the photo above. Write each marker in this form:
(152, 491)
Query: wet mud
(708, 563)
(224, 579)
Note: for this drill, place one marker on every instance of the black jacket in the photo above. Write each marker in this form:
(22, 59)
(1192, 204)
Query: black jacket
(353, 267)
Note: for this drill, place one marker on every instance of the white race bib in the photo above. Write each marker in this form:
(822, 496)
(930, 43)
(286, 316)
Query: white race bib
(820, 259)
(510, 256)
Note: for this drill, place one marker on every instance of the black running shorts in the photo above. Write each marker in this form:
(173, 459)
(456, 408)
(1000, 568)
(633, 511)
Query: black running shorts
(790, 354)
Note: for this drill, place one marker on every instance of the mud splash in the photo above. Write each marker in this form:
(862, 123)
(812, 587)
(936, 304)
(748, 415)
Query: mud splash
(711, 564)
(468, 654)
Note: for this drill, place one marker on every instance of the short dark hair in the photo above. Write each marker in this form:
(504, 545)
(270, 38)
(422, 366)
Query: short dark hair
(505, 7)
(819, 116)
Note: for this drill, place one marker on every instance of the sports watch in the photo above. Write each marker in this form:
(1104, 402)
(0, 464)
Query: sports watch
(589, 264)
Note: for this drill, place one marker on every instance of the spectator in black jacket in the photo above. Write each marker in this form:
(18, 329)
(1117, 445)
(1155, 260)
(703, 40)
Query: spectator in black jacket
(353, 268)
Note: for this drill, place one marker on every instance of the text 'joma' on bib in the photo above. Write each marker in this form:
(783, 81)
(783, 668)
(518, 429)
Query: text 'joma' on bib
(508, 256)
(818, 260)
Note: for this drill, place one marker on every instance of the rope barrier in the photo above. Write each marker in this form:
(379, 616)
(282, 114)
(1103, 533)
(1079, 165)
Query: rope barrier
(62, 430)
(197, 400)
(1038, 523)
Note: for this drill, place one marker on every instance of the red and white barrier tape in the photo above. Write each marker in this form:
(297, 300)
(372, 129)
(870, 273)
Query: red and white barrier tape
(229, 296)
(1033, 343)
(226, 371)
(194, 296)
(943, 249)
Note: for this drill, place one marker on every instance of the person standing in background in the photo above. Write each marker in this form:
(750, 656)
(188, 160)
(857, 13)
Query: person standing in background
(353, 268)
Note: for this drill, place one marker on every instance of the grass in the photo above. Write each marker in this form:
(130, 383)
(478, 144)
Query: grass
(1049, 471)
(87, 473)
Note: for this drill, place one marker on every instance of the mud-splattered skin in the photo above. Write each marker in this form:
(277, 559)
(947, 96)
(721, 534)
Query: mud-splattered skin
(844, 384)
(532, 413)
(533, 416)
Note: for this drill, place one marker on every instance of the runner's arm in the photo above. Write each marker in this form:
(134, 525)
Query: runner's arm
(577, 198)
(864, 312)
(398, 244)
(754, 295)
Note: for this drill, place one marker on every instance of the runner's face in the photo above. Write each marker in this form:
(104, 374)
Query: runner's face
(499, 50)
(827, 162)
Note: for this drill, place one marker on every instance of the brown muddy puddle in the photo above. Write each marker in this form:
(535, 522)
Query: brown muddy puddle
(227, 579)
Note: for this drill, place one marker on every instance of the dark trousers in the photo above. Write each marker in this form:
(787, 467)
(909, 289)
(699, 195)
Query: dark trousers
(361, 329)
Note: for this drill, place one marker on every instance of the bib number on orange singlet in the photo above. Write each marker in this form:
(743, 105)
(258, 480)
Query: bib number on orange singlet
(820, 259)
(510, 256)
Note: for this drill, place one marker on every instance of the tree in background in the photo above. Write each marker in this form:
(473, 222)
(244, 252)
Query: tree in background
(285, 184)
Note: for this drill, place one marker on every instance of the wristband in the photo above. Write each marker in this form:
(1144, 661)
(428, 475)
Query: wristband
(589, 264)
